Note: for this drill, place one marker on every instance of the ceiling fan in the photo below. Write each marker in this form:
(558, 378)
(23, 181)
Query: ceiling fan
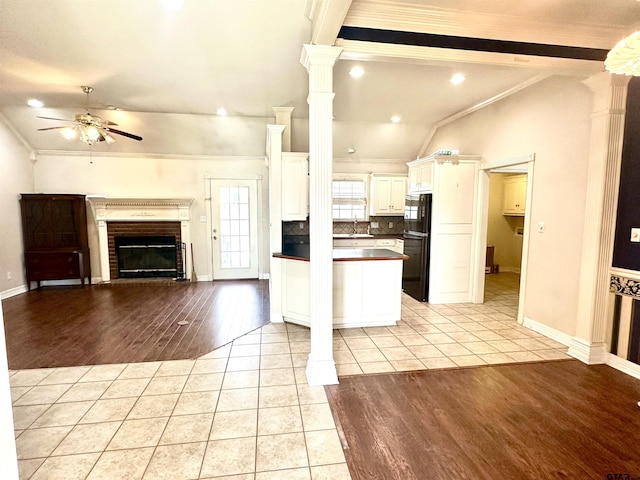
(90, 128)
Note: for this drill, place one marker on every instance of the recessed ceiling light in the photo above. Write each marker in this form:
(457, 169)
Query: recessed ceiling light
(221, 112)
(351, 150)
(35, 103)
(356, 72)
(395, 119)
(457, 79)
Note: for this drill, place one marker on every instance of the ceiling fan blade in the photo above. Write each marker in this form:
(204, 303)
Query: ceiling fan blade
(58, 119)
(125, 134)
(50, 128)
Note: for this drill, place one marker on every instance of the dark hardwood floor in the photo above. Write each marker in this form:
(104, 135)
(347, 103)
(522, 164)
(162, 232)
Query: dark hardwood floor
(123, 323)
(550, 420)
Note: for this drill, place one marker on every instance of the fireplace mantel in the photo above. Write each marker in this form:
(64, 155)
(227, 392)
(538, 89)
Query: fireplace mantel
(107, 209)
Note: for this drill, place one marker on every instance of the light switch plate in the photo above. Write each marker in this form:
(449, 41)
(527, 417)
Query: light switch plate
(540, 227)
(203, 219)
(635, 234)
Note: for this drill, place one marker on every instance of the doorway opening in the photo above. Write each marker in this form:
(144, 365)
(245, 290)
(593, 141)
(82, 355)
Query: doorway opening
(505, 198)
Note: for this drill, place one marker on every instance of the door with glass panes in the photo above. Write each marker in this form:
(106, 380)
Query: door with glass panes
(234, 229)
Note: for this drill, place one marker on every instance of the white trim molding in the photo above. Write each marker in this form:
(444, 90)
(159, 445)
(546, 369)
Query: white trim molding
(589, 353)
(625, 366)
(12, 292)
(548, 331)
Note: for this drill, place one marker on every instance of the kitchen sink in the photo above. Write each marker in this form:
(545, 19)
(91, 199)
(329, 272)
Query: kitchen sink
(352, 235)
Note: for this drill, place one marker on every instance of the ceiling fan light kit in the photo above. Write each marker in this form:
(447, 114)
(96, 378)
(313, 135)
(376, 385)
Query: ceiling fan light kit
(624, 58)
(89, 128)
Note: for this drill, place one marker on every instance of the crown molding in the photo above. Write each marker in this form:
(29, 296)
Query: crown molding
(391, 15)
(155, 156)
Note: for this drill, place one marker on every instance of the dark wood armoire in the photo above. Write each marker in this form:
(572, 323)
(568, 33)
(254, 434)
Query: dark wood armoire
(56, 245)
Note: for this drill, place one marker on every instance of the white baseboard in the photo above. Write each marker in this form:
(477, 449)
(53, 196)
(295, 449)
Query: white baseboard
(321, 372)
(548, 331)
(589, 353)
(625, 366)
(510, 270)
(12, 292)
(263, 276)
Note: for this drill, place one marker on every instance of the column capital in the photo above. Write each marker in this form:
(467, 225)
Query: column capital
(603, 80)
(319, 55)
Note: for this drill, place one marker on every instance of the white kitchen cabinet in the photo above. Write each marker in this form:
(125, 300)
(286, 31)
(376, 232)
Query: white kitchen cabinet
(421, 176)
(515, 195)
(387, 195)
(295, 186)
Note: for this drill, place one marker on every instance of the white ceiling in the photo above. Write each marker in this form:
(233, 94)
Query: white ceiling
(168, 72)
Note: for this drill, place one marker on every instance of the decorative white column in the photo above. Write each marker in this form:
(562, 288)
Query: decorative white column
(607, 129)
(319, 61)
(274, 159)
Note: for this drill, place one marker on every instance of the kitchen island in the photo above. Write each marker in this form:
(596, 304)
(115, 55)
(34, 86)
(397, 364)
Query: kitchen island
(367, 287)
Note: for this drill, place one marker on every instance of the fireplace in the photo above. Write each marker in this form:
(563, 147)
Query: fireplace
(147, 256)
(145, 249)
(153, 235)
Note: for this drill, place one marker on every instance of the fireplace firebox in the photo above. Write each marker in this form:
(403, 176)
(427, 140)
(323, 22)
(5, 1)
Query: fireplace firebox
(146, 256)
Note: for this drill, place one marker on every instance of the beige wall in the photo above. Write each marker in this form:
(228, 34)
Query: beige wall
(501, 229)
(16, 177)
(136, 176)
(552, 120)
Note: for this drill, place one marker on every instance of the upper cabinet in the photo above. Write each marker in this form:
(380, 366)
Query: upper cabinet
(387, 195)
(295, 186)
(421, 176)
(515, 195)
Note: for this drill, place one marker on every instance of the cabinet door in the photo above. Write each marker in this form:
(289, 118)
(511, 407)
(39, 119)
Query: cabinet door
(425, 177)
(515, 194)
(381, 196)
(397, 195)
(413, 179)
(295, 189)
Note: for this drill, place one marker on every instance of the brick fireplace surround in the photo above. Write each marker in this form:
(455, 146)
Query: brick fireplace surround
(141, 229)
(140, 216)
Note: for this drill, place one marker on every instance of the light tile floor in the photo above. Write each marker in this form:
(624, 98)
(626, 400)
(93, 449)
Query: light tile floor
(244, 411)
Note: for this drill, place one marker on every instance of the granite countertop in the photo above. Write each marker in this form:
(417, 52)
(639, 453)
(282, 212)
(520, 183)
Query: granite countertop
(301, 252)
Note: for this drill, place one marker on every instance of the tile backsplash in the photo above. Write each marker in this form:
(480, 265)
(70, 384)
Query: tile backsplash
(302, 228)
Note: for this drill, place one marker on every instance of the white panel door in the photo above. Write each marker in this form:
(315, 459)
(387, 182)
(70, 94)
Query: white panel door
(234, 213)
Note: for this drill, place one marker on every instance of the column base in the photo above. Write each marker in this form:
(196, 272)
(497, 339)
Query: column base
(275, 317)
(321, 372)
(589, 353)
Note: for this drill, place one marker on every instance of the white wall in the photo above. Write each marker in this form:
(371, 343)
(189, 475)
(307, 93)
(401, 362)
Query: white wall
(16, 177)
(136, 176)
(501, 229)
(552, 120)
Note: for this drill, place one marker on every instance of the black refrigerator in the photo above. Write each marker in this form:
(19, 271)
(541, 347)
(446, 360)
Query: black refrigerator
(417, 241)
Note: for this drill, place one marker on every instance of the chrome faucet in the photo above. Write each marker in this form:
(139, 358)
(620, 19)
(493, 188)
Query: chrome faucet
(355, 225)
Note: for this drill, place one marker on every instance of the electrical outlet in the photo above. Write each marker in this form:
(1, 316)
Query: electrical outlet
(375, 225)
(540, 227)
(8, 275)
(301, 225)
(635, 235)
(390, 224)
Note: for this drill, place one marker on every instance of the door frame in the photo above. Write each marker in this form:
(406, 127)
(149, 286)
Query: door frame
(260, 217)
(528, 161)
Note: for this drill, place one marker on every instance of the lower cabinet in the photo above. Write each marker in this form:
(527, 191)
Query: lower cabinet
(55, 265)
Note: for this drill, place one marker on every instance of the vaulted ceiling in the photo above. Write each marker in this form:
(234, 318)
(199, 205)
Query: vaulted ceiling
(163, 72)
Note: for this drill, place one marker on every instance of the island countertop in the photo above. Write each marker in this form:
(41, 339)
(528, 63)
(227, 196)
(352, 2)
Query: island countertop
(301, 252)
